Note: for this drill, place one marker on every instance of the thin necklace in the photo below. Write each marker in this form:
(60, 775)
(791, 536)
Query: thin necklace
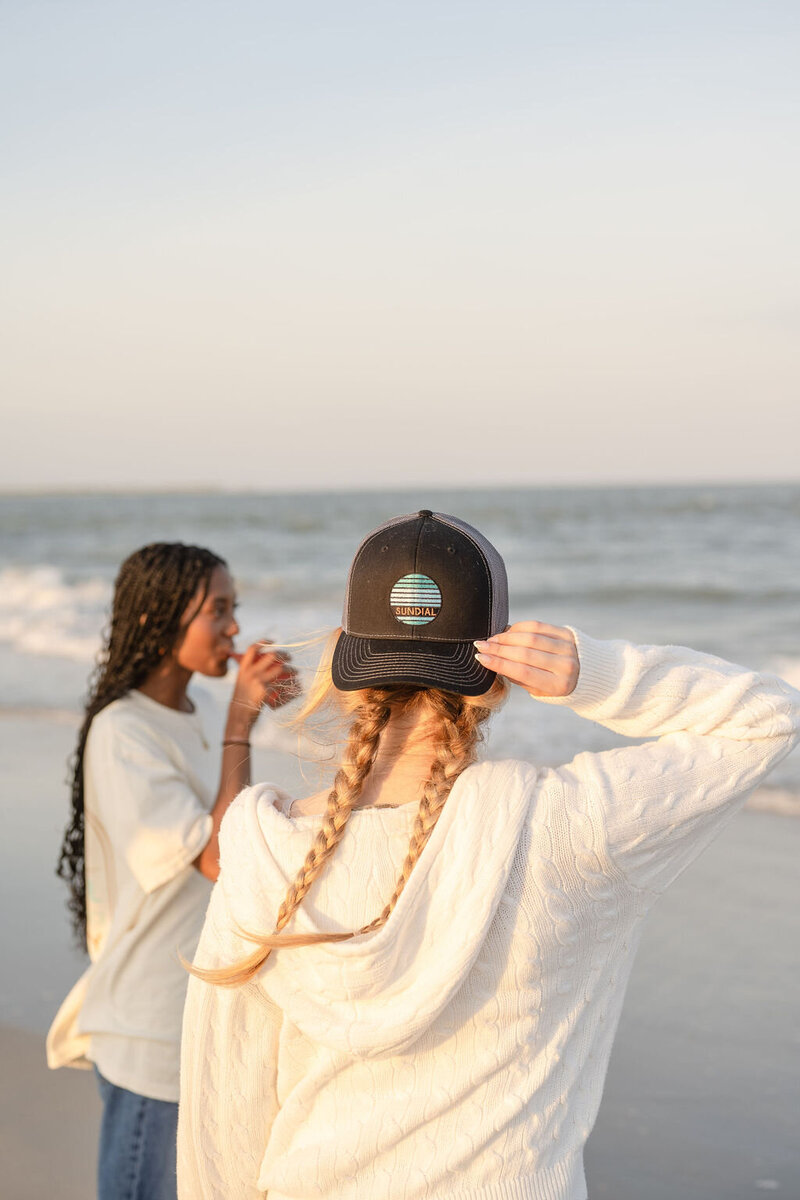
(199, 727)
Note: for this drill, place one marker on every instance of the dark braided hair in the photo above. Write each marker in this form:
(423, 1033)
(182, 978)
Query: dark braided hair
(151, 593)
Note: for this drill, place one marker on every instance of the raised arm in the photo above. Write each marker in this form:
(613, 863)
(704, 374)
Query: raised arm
(720, 727)
(264, 678)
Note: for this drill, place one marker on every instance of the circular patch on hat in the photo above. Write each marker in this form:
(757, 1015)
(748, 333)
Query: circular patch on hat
(415, 600)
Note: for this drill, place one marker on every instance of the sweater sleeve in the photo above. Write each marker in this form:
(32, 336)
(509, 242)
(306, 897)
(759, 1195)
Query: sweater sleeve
(720, 729)
(228, 1073)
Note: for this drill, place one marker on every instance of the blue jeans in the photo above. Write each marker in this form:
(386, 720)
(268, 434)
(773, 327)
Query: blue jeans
(137, 1146)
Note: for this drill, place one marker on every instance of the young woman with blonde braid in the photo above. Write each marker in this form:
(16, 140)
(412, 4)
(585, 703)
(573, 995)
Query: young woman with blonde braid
(408, 988)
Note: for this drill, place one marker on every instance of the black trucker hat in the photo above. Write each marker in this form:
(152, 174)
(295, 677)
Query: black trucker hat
(421, 590)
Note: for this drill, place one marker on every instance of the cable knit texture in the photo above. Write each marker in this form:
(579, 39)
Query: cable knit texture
(460, 1051)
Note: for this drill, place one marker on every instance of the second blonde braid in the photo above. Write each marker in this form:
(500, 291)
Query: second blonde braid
(359, 756)
(456, 748)
(371, 719)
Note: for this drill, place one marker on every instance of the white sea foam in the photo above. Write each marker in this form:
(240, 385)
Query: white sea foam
(775, 800)
(788, 669)
(41, 613)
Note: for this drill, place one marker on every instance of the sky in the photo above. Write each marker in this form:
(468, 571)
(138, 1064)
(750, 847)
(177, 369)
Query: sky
(335, 244)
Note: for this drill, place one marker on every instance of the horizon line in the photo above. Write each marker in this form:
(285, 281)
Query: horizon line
(210, 489)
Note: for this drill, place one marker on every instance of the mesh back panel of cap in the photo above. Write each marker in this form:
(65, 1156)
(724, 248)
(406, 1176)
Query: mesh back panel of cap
(497, 570)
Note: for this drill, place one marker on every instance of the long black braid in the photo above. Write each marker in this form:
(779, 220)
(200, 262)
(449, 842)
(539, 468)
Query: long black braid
(151, 594)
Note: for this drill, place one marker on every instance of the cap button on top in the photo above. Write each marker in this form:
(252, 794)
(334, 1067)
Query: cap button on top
(425, 512)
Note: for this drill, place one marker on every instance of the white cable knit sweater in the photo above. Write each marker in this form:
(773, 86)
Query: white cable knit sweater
(461, 1050)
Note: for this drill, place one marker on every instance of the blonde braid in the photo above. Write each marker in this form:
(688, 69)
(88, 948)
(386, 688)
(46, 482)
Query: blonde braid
(359, 756)
(456, 748)
(372, 717)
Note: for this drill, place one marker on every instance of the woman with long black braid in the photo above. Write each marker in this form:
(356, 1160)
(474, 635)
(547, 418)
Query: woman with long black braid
(152, 778)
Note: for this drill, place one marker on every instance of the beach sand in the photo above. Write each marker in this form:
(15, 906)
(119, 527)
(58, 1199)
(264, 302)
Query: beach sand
(703, 1092)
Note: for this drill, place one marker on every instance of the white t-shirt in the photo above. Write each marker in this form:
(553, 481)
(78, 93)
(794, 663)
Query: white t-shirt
(151, 775)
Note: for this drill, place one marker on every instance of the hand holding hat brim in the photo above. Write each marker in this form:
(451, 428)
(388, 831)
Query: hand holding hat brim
(541, 658)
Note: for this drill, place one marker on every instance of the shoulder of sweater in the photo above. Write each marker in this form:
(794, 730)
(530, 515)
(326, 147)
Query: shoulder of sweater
(505, 773)
(486, 767)
(256, 806)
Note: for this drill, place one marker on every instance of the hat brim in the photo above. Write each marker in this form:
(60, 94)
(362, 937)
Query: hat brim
(360, 662)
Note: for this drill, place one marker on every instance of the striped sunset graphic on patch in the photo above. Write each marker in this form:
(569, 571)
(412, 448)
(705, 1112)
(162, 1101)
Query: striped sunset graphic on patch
(415, 599)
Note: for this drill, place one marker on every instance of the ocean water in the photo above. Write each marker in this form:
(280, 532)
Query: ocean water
(715, 567)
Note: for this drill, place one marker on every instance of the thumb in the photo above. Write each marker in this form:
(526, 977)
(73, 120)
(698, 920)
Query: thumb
(249, 657)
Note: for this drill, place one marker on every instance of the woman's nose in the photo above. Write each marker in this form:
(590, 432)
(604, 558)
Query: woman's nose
(233, 629)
